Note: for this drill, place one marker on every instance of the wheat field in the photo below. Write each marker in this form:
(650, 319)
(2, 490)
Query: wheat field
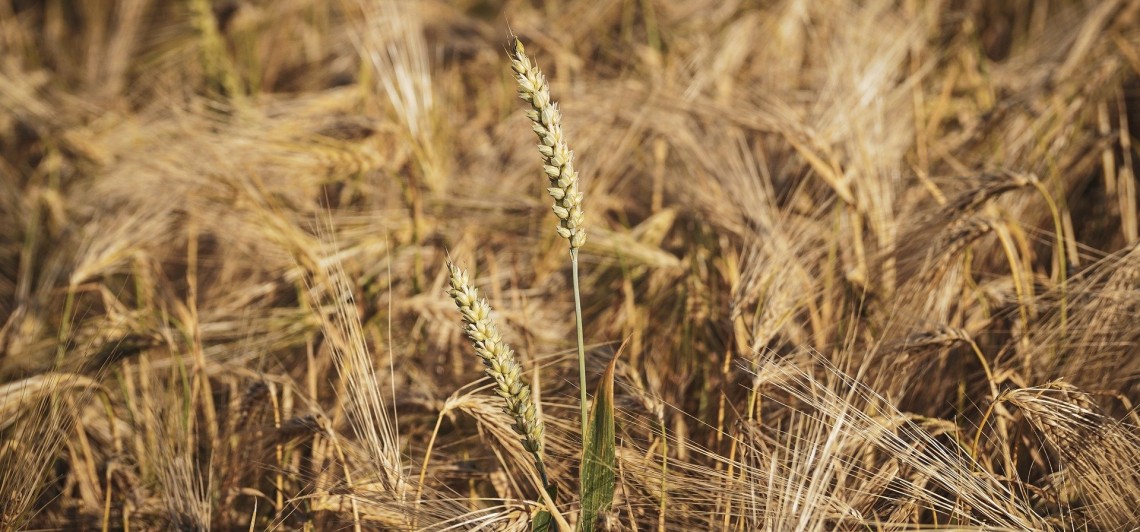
(863, 265)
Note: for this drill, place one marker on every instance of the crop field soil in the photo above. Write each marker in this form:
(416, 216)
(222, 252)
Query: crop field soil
(301, 265)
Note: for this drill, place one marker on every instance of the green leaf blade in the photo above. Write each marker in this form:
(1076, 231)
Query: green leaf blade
(543, 520)
(598, 479)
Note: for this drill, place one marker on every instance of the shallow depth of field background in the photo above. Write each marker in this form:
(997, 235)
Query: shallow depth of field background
(875, 264)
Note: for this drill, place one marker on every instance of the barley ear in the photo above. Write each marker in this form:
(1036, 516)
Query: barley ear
(557, 159)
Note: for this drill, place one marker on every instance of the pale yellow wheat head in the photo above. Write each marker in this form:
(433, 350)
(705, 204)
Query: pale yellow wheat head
(498, 357)
(558, 160)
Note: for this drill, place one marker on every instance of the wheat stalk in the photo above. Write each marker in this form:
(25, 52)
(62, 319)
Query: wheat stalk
(558, 163)
(499, 358)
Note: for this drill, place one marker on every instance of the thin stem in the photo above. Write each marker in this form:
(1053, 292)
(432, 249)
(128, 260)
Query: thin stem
(664, 474)
(427, 458)
(541, 467)
(1062, 261)
(581, 341)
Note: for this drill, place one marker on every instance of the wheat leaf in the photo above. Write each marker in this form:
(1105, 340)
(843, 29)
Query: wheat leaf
(597, 473)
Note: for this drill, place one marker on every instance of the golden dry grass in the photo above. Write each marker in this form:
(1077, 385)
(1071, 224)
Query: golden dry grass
(877, 263)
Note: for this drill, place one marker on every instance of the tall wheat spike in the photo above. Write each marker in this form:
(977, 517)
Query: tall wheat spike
(558, 163)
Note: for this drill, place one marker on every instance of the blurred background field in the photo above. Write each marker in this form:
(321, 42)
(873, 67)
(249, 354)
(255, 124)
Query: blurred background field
(875, 264)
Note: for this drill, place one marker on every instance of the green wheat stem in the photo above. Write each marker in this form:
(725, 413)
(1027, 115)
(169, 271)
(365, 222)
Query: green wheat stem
(581, 339)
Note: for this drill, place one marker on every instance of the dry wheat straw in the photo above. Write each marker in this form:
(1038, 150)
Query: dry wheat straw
(502, 367)
(1099, 457)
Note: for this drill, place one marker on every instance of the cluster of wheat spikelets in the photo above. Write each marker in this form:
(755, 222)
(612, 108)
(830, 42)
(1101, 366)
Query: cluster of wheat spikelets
(875, 265)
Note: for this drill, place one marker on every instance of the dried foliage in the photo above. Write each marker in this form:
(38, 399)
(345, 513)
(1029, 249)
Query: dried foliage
(876, 263)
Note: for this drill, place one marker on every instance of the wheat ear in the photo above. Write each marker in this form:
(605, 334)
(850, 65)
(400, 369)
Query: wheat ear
(558, 163)
(500, 362)
(558, 160)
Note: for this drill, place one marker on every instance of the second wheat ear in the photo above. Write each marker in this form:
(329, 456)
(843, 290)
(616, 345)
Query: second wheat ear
(558, 164)
(500, 363)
